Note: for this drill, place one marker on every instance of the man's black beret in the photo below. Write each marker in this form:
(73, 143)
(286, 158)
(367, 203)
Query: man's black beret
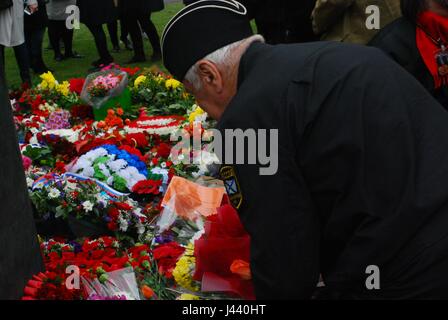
(200, 29)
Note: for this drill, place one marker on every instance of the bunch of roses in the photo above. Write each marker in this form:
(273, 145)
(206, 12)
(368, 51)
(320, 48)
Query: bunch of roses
(102, 85)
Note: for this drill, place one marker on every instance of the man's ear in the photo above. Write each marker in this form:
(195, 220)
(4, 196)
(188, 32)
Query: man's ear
(210, 75)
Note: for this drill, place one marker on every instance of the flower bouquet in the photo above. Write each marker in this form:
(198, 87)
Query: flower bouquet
(106, 90)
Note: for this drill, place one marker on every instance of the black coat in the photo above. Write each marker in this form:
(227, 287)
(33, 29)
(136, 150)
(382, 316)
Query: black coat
(95, 12)
(398, 40)
(128, 7)
(362, 175)
(39, 19)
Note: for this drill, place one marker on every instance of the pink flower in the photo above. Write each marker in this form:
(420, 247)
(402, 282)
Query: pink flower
(27, 162)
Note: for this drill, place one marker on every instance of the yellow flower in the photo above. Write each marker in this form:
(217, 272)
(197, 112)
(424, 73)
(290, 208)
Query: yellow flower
(188, 297)
(63, 88)
(183, 273)
(196, 113)
(48, 81)
(172, 84)
(139, 81)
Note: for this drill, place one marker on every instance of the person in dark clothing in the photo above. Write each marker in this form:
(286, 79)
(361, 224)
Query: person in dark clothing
(358, 169)
(94, 14)
(57, 29)
(112, 27)
(23, 61)
(298, 21)
(35, 26)
(137, 15)
(282, 21)
(113, 30)
(413, 42)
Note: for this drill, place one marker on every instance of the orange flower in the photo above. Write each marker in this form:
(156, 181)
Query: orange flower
(148, 293)
(101, 124)
(242, 269)
(120, 111)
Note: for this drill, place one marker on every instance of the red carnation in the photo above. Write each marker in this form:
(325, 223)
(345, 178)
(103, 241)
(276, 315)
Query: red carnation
(136, 140)
(163, 150)
(147, 187)
(167, 256)
(76, 85)
(123, 206)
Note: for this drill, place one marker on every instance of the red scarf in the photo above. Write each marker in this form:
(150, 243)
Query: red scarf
(434, 26)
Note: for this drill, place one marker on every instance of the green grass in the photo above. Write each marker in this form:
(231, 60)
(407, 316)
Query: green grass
(83, 43)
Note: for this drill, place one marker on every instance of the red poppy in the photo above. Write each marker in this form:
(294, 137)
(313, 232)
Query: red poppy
(147, 187)
(163, 150)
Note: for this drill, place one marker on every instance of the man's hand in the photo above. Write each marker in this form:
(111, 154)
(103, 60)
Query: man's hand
(33, 8)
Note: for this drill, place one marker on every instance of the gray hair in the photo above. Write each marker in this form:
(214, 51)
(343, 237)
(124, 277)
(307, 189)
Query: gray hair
(221, 57)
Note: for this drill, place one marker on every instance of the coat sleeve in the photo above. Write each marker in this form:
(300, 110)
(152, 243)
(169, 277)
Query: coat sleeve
(327, 12)
(278, 213)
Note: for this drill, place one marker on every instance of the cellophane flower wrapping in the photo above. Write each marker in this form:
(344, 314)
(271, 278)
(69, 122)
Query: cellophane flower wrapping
(172, 226)
(116, 285)
(98, 102)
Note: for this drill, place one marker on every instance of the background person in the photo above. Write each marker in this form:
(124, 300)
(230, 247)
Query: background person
(12, 34)
(35, 26)
(57, 29)
(360, 177)
(94, 14)
(345, 20)
(412, 42)
(137, 15)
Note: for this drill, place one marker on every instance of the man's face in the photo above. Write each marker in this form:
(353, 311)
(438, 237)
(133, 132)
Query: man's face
(206, 98)
(216, 89)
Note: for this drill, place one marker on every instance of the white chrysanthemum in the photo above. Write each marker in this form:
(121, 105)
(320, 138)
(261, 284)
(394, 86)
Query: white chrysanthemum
(88, 172)
(117, 165)
(54, 193)
(87, 206)
(162, 172)
(132, 176)
(29, 182)
(123, 224)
